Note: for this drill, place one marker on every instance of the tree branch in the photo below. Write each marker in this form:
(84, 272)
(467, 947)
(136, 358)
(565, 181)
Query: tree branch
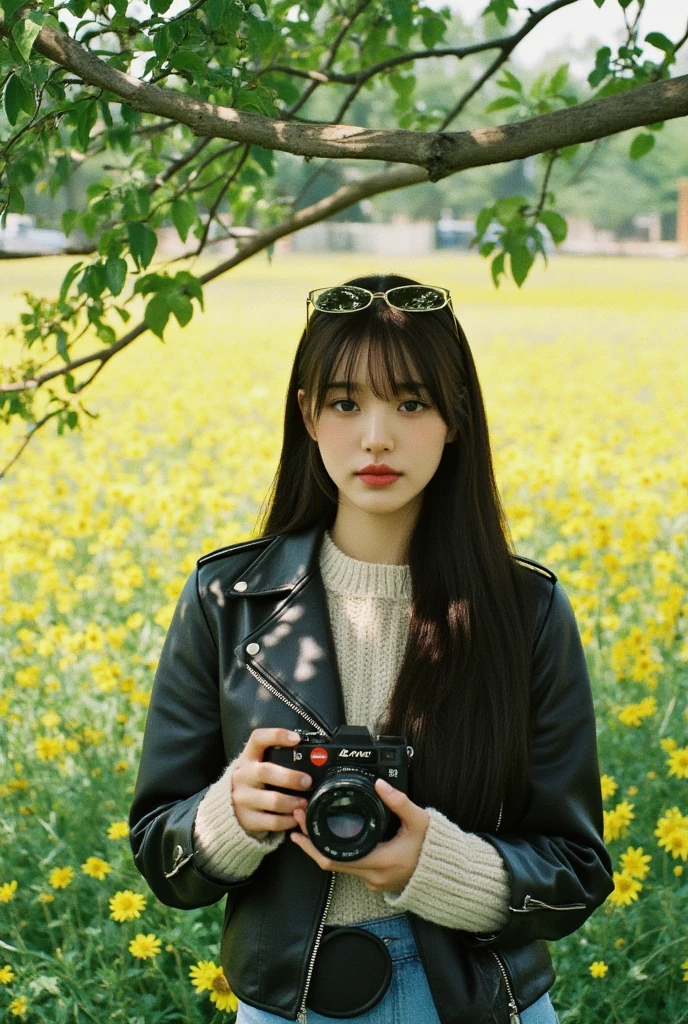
(348, 195)
(441, 153)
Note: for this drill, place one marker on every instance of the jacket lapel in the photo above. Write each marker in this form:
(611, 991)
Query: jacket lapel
(293, 649)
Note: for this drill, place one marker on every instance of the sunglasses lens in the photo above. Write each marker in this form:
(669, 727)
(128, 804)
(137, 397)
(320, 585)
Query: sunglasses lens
(341, 299)
(416, 296)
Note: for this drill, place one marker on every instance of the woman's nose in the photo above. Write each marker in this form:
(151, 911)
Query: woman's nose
(377, 433)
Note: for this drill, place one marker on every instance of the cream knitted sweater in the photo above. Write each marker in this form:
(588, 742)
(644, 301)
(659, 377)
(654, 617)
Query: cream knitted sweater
(460, 880)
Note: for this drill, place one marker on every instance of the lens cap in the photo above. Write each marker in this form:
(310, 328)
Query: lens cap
(352, 972)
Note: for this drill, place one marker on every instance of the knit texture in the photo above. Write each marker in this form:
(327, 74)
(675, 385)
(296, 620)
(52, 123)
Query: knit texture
(460, 880)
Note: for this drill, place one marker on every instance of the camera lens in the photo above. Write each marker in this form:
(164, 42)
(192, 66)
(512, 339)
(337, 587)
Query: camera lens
(343, 819)
(345, 816)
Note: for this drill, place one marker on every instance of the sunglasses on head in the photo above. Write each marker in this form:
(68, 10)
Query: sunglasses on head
(350, 298)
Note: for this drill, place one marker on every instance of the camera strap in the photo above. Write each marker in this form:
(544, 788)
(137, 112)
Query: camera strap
(351, 973)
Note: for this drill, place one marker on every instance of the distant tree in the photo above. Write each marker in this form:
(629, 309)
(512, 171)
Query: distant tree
(81, 81)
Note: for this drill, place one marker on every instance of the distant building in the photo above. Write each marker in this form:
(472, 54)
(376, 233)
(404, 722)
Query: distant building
(20, 237)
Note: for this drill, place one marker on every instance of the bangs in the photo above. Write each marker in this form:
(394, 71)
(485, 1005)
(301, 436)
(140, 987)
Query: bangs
(399, 357)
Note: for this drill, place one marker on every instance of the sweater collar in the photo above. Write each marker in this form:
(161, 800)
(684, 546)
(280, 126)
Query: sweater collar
(343, 574)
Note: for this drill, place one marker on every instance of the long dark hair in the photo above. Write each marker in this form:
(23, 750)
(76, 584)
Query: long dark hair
(462, 694)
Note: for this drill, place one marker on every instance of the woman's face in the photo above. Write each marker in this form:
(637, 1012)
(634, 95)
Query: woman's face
(405, 433)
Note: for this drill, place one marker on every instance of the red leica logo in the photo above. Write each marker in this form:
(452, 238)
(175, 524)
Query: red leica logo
(319, 756)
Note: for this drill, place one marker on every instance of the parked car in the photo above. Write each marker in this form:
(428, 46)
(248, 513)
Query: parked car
(20, 237)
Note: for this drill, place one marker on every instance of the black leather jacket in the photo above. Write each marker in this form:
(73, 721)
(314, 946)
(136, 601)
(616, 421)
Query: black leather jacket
(209, 693)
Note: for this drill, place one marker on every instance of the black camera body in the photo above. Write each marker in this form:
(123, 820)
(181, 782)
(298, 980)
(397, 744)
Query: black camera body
(345, 817)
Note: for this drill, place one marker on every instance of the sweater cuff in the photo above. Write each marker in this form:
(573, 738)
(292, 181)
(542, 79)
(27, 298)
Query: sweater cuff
(222, 847)
(460, 880)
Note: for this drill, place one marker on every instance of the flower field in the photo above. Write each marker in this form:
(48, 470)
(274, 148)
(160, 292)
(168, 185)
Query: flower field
(585, 381)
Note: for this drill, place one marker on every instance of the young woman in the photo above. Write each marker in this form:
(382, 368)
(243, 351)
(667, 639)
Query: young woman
(382, 592)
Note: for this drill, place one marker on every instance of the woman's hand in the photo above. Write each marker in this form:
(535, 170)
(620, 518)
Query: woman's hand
(389, 866)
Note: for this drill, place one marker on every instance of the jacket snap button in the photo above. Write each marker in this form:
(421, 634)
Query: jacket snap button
(241, 585)
(252, 648)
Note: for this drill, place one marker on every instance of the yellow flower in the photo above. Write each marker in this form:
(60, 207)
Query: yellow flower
(118, 830)
(6, 975)
(50, 719)
(598, 968)
(96, 868)
(635, 862)
(202, 975)
(672, 833)
(19, 1006)
(632, 790)
(684, 967)
(678, 870)
(626, 889)
(7, 891)
(668, 744)
(678, 763)
(608, 785)
(126, 905)
(60, 878)
(616, 822)
(618, 943)
(45, 897)
(48, 747)
(145, 947)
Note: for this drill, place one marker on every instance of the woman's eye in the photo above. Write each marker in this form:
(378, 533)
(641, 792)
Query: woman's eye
(408, 401)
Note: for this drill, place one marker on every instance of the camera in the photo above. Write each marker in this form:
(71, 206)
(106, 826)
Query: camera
(345, 816)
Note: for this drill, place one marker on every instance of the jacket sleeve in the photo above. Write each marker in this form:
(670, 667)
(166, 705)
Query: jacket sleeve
(223, 848)
(559, 868)
(459, 881)
(181, 757)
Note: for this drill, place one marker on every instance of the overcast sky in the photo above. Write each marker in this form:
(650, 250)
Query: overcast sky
(573, 25)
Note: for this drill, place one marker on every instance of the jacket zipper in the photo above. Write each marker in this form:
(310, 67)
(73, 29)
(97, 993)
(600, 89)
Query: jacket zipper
(530, 903)
(513, 1008)
(295, 707)
(302, 1017)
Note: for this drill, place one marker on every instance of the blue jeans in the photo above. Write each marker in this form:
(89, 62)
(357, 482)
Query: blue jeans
(408, 997)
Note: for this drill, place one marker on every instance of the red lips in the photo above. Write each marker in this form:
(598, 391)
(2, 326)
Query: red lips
(379, 469)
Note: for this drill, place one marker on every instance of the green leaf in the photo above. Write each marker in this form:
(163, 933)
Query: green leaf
(143, 242)
(510, 81)
(181, 307)
(659, 40)
(162, 42)
(10, 6)
(521, 261)
(599, 2)
(187, 60)
(24, 33)
(68, 278)
(506, 209)
(16, 95)
(115, 274)
(264, 157)
(641, 145)
(190, 284)
(157, 314)
(183, 215)
(86, 118)
(433, 28)
(502, 103)
(555, 224)
(559, 79)
(68, 219)
(483, 219)
(15, 203)
(497, 268)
